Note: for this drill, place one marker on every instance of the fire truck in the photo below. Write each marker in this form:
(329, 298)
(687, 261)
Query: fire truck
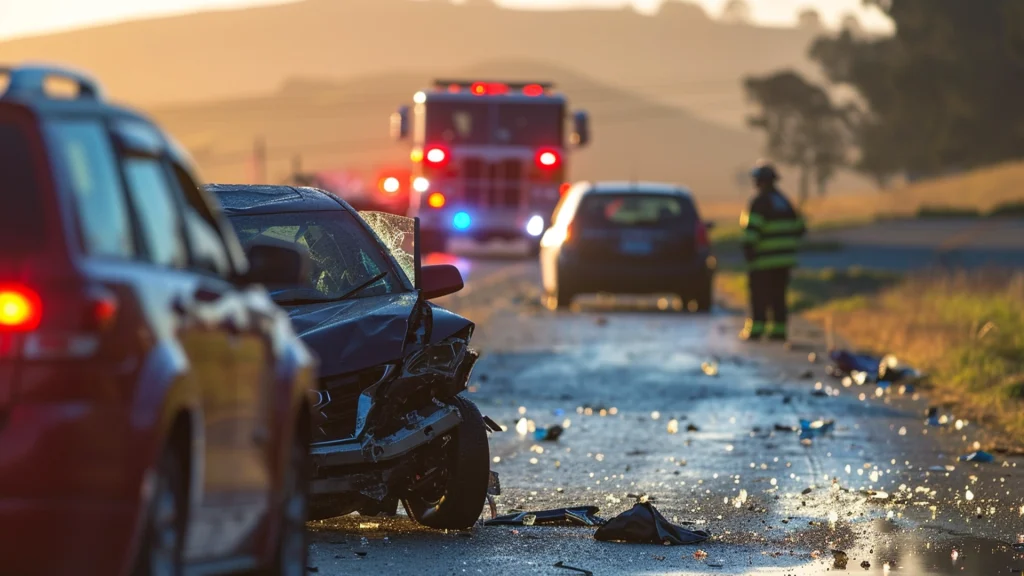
(489, 159)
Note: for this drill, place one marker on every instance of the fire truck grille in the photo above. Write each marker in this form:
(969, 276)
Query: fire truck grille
(493, 184)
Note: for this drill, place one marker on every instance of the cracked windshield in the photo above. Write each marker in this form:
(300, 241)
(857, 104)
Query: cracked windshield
(552, 287)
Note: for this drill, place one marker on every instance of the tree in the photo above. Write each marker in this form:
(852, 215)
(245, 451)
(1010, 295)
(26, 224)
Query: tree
(850, 23)
(809, 19)
(944, 91)
(804, 128)
(736, 12)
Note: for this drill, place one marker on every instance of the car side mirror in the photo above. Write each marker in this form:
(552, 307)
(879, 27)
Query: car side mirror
(580, 129)
(440, 280)
(400, 124)
(277, 264)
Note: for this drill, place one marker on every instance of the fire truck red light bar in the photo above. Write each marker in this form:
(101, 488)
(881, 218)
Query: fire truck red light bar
(525, 87)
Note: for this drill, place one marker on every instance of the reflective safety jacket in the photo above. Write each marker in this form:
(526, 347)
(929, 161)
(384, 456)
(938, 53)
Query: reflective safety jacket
(772, 230)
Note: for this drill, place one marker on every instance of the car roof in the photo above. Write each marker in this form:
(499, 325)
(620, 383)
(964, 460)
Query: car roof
(26, 88)
(627, 187)
(237, 199)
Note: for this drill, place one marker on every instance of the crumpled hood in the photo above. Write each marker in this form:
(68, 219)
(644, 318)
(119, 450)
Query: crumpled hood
(354, 334)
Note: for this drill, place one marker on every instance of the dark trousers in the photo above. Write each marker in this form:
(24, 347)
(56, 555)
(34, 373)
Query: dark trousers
(768, 292)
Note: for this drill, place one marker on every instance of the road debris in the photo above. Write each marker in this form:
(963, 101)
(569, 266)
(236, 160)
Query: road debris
(812, 429)
(551, 434)
(578, 516)
(565, 566)
(980, 457)
(700, 555)
(709, 368)
(643, 524)
(840, 559)
(692, 428)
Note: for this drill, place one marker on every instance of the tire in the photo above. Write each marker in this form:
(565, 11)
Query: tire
(292, 546)
(705, 295)
(468, 474)
(163, 541)
(563, 294)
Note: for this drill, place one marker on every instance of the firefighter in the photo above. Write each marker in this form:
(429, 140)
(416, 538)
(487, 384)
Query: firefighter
(772, 230)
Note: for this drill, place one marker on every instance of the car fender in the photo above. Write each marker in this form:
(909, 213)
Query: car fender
(446, 324)
(165, 389)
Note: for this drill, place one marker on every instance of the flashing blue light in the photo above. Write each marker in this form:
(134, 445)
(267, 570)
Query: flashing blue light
(461, 221)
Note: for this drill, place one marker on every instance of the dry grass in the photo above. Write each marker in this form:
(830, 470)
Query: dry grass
(965, 329)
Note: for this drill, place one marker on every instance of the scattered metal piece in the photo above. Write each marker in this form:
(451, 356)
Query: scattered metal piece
(564, 566)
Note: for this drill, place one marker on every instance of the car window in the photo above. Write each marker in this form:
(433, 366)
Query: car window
(635, 210)
(87, 165)
(208, 252)
(22, 221)
(156, 205)
(343, 254)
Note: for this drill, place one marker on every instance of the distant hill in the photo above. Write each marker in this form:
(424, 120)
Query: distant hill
(344, 124)
(680, 56)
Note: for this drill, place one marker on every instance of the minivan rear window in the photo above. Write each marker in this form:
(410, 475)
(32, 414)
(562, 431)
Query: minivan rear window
(635, 210)
(22, 219)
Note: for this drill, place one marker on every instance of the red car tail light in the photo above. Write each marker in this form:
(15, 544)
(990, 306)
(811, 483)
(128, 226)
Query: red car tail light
(74, 324)
(21, 309)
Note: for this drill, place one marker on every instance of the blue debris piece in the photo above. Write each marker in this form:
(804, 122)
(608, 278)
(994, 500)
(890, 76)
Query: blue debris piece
(809, 429)
(979, 456)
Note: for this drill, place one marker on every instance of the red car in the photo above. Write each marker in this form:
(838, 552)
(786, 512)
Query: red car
(154, 414)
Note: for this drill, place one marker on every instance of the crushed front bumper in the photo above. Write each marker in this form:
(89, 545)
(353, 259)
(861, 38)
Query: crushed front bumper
(368, 450)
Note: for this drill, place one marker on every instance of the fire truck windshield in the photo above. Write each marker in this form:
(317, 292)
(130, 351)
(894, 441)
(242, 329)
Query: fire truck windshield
(506, 123)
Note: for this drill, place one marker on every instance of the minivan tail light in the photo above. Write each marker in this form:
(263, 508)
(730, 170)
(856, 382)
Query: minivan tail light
(702, 235)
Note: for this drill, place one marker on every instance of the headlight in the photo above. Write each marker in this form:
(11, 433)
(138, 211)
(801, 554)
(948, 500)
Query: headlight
(535, 226)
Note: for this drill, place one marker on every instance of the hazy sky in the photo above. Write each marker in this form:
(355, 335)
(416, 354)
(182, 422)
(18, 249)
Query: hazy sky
(25, 17)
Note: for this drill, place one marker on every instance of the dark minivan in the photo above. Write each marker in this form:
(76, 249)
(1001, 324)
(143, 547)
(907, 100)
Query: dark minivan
(627, 238)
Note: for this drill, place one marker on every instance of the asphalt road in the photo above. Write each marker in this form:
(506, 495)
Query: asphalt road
(627, 380)
(902, 245)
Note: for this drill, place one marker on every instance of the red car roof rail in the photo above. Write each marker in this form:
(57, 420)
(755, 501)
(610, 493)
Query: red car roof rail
(29, 80)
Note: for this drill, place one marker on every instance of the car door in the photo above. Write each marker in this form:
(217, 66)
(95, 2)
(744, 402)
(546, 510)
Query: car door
(243, 478)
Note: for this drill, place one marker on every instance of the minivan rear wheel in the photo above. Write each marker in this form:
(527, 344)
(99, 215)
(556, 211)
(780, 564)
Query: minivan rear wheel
(454, 501)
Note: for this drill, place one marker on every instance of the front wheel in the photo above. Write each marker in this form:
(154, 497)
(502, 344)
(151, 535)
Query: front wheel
(456, 497)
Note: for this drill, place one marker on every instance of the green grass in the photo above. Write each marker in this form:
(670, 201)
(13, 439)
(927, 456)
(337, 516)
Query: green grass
(810, 289)
(966, 330)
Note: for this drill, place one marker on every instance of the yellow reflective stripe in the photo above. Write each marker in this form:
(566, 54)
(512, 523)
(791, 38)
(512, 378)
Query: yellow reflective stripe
(748, 220)
(750, 236)
(774, 261)
(777, 330)
(782, 226)
(778, 243)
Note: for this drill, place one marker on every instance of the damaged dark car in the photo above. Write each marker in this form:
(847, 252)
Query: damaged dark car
(391, 423)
